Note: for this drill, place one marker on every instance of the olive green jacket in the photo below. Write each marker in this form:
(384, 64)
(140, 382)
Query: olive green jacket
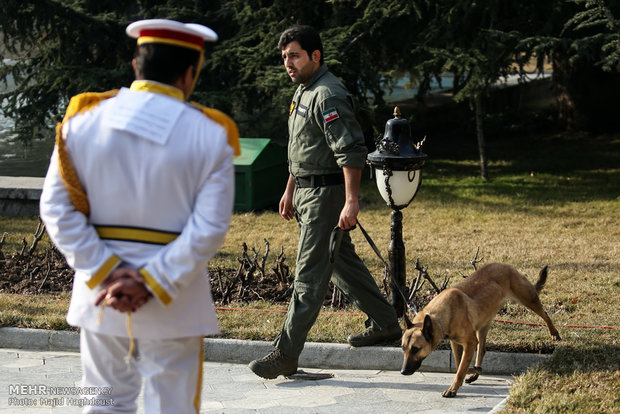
(323, 132)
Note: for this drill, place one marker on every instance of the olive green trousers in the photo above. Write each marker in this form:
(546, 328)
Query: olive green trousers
(317, 211)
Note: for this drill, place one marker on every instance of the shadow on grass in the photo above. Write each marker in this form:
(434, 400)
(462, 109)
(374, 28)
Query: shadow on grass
(583, 357)
(578, 378)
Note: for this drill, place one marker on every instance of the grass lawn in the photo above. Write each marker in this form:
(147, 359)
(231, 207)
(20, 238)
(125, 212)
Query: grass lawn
(552, 199)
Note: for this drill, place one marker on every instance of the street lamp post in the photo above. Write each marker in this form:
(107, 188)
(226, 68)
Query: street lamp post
(397, 165)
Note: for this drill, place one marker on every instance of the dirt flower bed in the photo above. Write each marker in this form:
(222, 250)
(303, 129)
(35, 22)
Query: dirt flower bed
(33, 272)
(48, 273)
(36, 273)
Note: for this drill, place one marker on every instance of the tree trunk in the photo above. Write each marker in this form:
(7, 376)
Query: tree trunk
(480, 135)
(586, 95)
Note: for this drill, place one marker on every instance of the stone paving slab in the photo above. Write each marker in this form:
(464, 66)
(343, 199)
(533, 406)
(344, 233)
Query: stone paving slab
(233, 388)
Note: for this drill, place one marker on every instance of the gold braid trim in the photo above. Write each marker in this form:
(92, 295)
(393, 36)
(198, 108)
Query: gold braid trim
(78, 104)
(132, 342)
(224, 120)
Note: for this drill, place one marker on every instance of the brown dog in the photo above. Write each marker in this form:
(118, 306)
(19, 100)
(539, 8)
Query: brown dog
(463, 314)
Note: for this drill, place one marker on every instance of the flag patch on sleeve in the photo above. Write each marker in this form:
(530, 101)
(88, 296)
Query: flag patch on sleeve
(330, 115)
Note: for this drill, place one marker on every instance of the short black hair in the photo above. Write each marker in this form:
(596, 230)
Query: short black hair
(307, 36)
(164, 63)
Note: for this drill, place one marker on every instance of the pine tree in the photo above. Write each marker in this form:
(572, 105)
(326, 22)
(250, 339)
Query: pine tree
(586, 59)
(55, 49)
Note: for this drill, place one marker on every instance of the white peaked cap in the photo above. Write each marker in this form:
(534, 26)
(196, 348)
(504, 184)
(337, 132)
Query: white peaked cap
(191, 35)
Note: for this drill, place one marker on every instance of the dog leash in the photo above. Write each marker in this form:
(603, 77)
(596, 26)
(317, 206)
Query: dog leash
(335, 240)
(412, 307)
(334, 246)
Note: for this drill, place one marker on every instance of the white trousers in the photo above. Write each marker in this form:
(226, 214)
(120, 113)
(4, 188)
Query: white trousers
(171, 368)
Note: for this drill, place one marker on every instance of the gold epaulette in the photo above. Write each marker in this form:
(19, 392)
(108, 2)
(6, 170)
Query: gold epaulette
(86, 101)
(224, 120)
(78, 104)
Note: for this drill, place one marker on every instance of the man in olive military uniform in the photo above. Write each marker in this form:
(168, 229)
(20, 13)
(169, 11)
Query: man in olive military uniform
(326, 154)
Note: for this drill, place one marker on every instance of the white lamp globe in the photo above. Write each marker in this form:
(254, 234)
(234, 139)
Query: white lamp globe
(403, 185)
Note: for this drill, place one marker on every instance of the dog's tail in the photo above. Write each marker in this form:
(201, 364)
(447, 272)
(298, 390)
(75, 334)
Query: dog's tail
(542, 279)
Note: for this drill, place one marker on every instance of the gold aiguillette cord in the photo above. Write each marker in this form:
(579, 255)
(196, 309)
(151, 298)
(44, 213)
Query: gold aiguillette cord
(132, 343)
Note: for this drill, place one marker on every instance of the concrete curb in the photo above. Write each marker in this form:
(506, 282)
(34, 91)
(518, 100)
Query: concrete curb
(314, 355)
(19, 196)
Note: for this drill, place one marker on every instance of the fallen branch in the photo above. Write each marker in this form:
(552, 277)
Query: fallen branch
(24, 244)
(416, 286)
(280, 269)
(3, 239)
(38, 235)
(2, 245)
(257, 294)
(422, 271)
(286, 293)
(475, 260)
(264, 259)
(337, 296)
(35, 270)
(45, 278)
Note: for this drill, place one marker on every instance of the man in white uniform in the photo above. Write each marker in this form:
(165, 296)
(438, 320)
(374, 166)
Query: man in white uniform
(138, 197)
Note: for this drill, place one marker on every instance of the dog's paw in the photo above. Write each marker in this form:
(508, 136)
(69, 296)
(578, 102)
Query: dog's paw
(475, 371)
(448, 393)
(471, 378)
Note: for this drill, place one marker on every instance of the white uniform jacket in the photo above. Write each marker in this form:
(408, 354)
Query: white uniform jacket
(159, 178)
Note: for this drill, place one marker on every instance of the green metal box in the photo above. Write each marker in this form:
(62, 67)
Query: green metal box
(261, 173)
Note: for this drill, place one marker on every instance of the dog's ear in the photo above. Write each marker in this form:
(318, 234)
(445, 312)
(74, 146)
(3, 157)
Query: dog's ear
(408, 323)
(427, 331)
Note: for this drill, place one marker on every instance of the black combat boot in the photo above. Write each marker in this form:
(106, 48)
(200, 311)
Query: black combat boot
(273, 364)
(376, 336)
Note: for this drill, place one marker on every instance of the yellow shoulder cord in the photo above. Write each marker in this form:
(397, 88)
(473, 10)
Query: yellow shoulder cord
(78, 104)
(67, 172)
(224, 120)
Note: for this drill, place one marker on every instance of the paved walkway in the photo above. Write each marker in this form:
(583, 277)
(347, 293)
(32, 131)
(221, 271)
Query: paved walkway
(27, 378)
